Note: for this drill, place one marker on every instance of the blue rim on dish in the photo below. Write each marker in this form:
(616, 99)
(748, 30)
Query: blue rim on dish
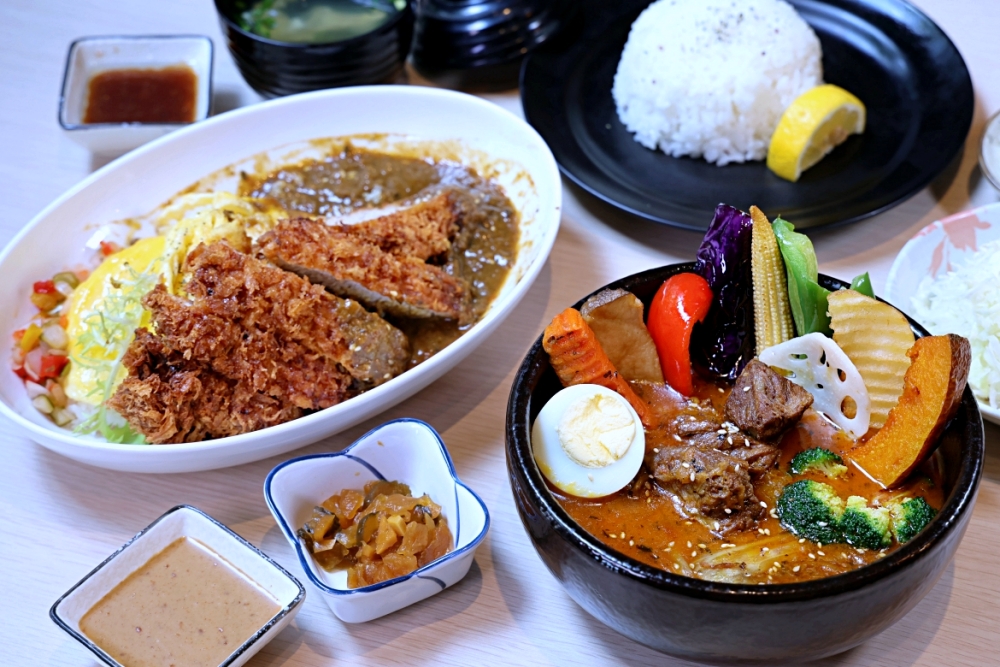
(91, 38)
(304, 557)
(235, 655)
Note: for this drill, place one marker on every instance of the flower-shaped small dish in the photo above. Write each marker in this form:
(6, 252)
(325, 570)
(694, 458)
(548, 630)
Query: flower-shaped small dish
(935, 250)
(403, 450)
(257, 569)
(91, 56)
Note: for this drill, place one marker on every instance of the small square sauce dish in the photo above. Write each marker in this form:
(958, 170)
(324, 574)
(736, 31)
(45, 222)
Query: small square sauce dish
(408, 451)
(121, 92)
(185, 590)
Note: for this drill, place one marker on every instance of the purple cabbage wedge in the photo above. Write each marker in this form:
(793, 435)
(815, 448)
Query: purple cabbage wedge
(724, 342)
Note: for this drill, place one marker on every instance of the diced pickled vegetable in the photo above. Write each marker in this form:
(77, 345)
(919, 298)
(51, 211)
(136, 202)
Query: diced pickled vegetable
(62, 417)
(34, 389)
(394, 533)
(55, 336)
(30, 337)
(66, 278)
(57, 394)
(42, 404)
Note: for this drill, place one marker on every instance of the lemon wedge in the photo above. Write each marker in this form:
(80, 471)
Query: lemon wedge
(813, 125)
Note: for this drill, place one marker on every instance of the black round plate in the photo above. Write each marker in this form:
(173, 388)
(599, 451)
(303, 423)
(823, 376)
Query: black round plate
(910, 76)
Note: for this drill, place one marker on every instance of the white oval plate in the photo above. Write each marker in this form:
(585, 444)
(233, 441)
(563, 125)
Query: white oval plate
(935, 250)
(138, 182)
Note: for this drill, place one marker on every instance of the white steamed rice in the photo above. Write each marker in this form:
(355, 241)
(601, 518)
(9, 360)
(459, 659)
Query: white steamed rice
(966, 301)
(711, 78)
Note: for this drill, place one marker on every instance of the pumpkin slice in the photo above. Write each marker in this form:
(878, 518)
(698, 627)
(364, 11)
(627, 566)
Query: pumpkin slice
(932, 389)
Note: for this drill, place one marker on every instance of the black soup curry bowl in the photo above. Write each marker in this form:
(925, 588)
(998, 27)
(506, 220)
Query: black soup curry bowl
(731, 623)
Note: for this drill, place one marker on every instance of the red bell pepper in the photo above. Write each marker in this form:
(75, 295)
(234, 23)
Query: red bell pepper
(681, 302)
(45, 287)
(52, 365)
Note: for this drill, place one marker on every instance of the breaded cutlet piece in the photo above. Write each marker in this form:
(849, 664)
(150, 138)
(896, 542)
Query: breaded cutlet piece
(273, 343)
(380, 262)
(423, 231)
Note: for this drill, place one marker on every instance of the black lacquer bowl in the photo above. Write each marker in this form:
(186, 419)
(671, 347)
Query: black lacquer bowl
(729, 623)
(274, 68)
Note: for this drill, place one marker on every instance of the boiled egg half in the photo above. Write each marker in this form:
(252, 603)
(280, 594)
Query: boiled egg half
(588, 441)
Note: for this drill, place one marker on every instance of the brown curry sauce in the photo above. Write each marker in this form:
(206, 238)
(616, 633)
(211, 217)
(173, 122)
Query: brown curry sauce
(642, 521)
(354, 179)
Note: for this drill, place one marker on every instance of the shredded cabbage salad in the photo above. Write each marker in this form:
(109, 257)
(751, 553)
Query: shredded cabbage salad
(966, 301)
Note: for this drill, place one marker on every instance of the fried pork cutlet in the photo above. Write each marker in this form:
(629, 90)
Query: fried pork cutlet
(251, 347)
(381, 262)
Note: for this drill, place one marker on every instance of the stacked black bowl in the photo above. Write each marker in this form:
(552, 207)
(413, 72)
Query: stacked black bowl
(275, 68)
(485, 38)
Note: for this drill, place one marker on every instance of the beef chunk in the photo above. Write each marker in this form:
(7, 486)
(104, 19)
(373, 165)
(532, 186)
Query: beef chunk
(709, 483)
(707, 434)
(764, 404)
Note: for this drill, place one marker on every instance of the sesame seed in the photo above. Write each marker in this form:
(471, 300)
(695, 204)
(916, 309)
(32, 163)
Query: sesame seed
(820, 553)
(670, 545)
(656, 450)
(694, 554)
(764, 550)
(686, 465)
(822, 524)
(796, 568)
(676, 566)
(692, 476)
(802, 540)
(655, 557)
(767, 531)
(721, 390)
(812, 555)
(746, 389)
(623, 534)
(763, 504)
(721, 431)
(727, 545)
(728, 511)
(760, 530)
(747, 574)
(689, 544)
(631, 543)
(716, 524)
(677, 437)
(701, 546)
(737, 467)
(729, 440)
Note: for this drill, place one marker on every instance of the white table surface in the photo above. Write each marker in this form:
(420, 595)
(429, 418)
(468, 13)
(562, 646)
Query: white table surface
(58, 519)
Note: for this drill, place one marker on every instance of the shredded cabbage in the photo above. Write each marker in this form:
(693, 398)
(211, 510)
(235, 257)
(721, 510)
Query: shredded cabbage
(966, 301)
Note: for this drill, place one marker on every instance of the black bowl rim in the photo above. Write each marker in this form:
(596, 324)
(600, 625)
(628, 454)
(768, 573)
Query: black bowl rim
(388, 26)
(518, 448)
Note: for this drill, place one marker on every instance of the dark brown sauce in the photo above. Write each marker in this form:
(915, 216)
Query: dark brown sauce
(336, 185)
(642, 522)
(165, 95)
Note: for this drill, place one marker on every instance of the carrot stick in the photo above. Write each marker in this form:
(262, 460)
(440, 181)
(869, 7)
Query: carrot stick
(578, 358)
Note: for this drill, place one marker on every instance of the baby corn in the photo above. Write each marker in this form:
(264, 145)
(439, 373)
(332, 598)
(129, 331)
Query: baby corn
(772, 313)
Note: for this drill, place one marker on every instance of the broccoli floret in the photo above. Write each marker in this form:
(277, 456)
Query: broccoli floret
(812, 510)
(819, 460)
(909, 516)
(866, 527)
